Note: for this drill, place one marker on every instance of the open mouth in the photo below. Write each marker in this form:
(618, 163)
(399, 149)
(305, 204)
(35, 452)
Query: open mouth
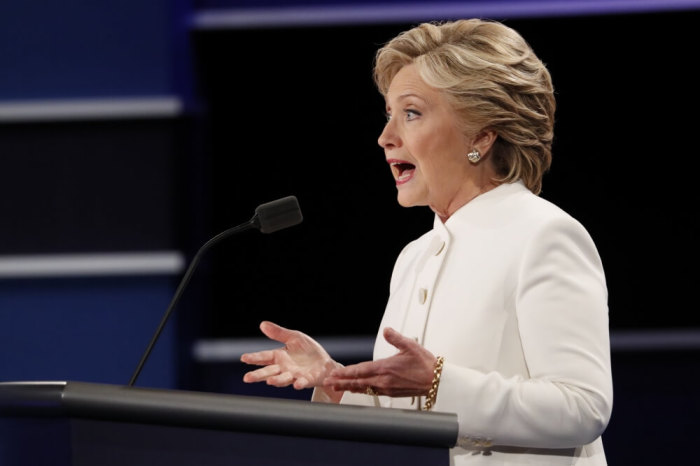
(403, 171)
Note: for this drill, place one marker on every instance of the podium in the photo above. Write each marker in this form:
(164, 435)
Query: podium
(89, 424)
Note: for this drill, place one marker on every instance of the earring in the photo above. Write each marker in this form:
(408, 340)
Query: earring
(474, 156)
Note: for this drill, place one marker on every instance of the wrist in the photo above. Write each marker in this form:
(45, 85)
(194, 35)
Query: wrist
(326, 395)
(329, 366)
(432, 391)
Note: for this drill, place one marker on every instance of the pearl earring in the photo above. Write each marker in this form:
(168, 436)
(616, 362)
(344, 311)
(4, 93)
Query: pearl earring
(474, 156)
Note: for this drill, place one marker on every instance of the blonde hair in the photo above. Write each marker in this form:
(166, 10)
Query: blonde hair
(493, 80)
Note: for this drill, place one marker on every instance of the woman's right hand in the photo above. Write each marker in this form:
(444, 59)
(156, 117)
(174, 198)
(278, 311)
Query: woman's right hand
(301, 362)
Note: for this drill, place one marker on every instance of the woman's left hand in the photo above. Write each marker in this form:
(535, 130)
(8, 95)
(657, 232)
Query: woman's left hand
(407, 373)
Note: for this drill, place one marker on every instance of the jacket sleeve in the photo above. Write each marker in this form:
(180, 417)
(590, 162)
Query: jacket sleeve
(561, 306)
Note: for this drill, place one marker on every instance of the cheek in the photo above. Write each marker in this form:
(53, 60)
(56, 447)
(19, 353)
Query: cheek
(443, 155)
(437, 149)
(437, 169)
(427, 149)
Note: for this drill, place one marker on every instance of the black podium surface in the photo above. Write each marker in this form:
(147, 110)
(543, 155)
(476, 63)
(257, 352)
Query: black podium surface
(78, 423)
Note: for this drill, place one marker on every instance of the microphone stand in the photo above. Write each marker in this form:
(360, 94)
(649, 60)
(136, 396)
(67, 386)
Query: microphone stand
(269, 217)
(181, 287)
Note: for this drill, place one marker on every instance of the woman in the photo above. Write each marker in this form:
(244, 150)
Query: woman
(499, 313)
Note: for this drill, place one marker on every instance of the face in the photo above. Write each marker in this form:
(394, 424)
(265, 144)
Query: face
(423, 145)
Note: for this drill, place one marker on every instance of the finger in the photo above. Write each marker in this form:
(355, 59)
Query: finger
(354, 371)
(351, 385)
(261, 374)
(259, 358)
(275, 332)
(397, 340)
(301, 383)
(281, 380)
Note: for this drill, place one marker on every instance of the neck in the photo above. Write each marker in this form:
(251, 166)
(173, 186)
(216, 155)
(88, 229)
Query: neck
(444, 214)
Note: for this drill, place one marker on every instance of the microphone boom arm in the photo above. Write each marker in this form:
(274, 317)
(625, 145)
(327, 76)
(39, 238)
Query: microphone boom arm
(181, 287)
(269, 217)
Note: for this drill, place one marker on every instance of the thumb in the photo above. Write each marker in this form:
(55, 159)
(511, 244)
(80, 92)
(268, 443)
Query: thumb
(274, 331)
(394, 338)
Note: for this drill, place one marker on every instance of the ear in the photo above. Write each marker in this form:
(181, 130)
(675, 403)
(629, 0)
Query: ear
(484, 140)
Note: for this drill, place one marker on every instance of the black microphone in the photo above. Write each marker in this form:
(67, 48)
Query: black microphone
(269, 218)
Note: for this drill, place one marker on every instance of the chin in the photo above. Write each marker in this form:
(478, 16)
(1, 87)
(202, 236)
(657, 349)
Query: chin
(406, 201)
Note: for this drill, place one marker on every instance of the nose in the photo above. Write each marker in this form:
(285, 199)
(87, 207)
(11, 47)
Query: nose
(388, 138)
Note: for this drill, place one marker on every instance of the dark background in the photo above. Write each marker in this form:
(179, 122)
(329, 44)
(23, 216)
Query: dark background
(294, 111)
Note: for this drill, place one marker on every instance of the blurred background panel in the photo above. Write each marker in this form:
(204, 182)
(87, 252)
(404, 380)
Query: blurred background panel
(82, 49)
(92, 144)
(133, 132)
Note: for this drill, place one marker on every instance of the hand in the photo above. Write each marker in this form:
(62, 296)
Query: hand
(302, 362)
(407, 373)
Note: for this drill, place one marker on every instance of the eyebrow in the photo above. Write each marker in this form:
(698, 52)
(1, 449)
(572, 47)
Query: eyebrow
(406, 96)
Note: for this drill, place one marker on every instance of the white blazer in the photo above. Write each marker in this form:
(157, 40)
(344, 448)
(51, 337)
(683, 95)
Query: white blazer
(511, 291)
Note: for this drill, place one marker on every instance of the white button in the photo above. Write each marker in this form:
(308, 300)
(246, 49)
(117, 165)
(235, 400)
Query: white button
(440, 247)
(436, 246)
(422, 295)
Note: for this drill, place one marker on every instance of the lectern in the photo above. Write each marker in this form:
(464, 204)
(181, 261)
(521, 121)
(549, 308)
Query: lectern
(89, 424)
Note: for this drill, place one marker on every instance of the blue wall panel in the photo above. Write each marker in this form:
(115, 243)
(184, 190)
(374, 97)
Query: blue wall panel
(82, 48)
(91, 330)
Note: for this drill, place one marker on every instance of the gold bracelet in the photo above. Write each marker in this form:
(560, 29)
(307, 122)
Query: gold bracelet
(432, 393)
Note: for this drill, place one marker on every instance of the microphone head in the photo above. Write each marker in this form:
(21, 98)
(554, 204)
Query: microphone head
(278, 215)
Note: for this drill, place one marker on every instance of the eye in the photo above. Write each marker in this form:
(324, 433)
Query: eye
(388, 116)
(411, 114)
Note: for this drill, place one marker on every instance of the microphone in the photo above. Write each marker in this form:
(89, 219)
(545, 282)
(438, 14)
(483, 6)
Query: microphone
(268, 218)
